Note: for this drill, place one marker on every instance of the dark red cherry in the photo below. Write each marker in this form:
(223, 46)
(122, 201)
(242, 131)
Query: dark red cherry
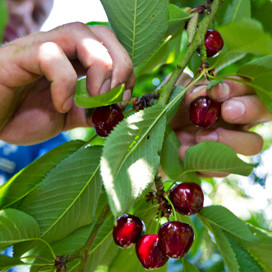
(187, 198)
(104, 119)
(175, 238)
(204, 112)
(213, 42)
(149, 253)
(127, 230)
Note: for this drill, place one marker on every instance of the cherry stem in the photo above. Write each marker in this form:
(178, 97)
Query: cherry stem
(89, 141)
(173, 208)
(84, 251)
(167, 89)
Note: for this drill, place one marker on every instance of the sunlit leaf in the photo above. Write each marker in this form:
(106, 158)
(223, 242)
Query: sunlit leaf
(130, 157)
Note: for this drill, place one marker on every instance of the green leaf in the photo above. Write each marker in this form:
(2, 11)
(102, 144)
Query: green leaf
(170, 160)
(166, 52)
(260, 72)
(214, 82)
(215, 157)
(227, 221)
(67, 197)
(241, 37)
(233, 10)
(224, 246)
(177, 18)
(16, 226)
(140, 25)
(262, 250)
(188, 267)
(256, 67)
(8, 262)
(98, 23)
(130, 157)
(246, 261)
(262, 10)
(84, 100)
(3, 18)
(31, 176)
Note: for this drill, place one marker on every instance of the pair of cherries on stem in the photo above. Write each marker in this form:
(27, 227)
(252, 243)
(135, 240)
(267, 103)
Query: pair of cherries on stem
(174, 238)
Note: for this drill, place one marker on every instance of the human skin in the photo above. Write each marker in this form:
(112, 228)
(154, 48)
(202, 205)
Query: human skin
(25, 17)
(39, 75)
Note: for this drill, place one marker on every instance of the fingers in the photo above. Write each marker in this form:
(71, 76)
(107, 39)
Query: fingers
(123, 67)
(245, 110)
(53, 54)
(245, 143)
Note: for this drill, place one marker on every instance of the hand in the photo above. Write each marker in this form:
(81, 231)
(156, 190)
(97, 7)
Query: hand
(241, 109)
(38, 77)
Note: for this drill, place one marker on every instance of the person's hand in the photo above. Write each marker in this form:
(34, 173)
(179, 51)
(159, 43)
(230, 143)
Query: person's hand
(38, 78)
(241, 109)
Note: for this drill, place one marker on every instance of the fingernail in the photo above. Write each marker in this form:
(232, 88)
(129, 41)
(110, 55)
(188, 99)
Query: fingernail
(221, 92)
(207, 136)
(105, 86)
(198, 89)
(127, 95)
(234, 110)
(68, 104)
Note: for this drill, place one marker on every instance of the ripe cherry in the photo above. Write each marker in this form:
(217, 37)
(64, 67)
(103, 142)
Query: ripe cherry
(175, 238)
(213, 42)
(149, 253)
(128, 230)
(187, 198)
(204, 111)
(104, 119)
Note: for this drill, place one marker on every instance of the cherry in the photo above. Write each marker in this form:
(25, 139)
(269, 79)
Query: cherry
(149, 253)
(175, 238)
(127, 230)
(104, 119)
(204, 111)
(187, 198)
(213, 42)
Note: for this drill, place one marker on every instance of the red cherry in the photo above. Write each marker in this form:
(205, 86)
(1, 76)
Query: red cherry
(213, 42)
(204, 111)
(149, 253)
(187, 198)
(104, 119)
(175, 238)
(128, 230)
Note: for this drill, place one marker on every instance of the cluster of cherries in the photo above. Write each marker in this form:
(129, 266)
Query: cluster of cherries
(174, 238)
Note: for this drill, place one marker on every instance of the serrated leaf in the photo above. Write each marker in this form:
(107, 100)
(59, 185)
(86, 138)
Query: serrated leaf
(67, 197)
(188, 267)
(246, 261)
(130, 157)
(16, 226)
(140, 25)
(214, 82)
(215, 157)
(84, 100)
(31, 176)
(227, 221)
(8, 262)
(261, 250)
